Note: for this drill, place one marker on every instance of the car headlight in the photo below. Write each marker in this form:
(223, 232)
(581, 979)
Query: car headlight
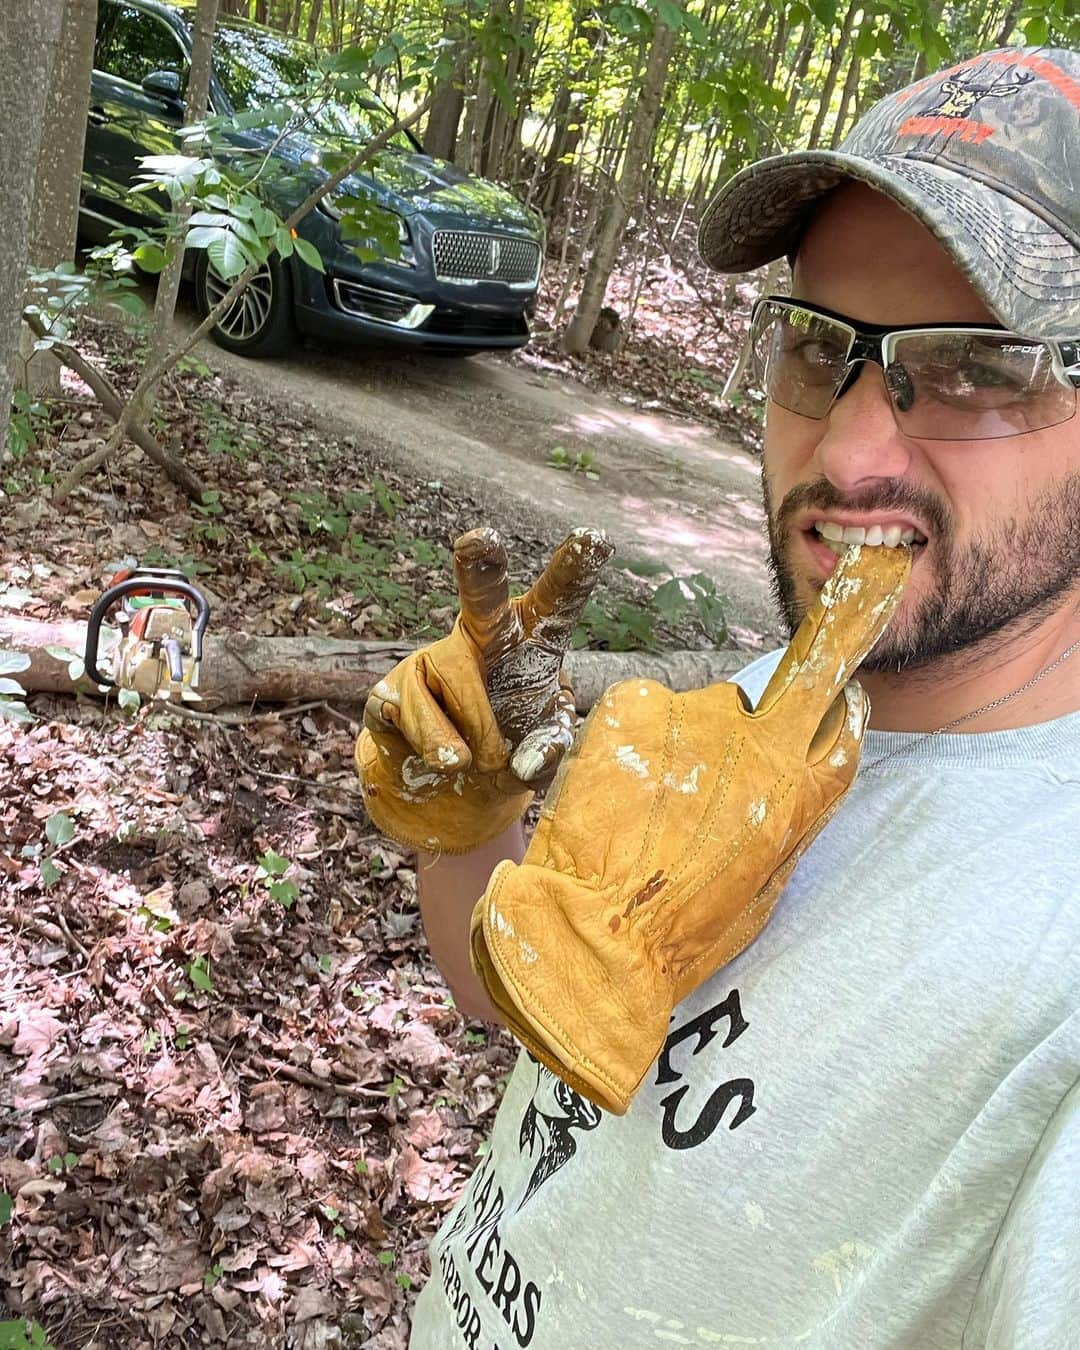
(331, 205)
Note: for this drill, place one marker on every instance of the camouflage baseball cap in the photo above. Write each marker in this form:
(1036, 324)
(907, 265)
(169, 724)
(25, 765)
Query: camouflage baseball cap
(986, 154)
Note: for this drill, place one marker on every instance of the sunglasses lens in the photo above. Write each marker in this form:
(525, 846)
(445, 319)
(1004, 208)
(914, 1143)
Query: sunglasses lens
(971, 386)
(800, 358)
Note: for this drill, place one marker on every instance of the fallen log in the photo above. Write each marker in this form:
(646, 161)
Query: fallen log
(240, 668)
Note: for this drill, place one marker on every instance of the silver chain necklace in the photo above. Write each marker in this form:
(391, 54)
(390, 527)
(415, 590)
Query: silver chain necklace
(995, 703)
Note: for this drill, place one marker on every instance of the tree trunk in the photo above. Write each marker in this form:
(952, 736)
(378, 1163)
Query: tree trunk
(851, 84)
(238, 668)
(314, 14)
(58, 180)
(29, 36)
(839, 51)
(196, 101)
(441, 132)
(1008, 23)
(627, 191)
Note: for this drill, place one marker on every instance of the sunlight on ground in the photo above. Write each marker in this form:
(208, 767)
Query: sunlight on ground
(740, 548)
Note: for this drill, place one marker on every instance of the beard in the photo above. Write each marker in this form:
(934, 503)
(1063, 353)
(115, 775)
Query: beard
(1009, 578)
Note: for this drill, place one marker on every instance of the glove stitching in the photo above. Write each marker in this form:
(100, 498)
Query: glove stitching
(713, 806)
(670, 914)
(764, 894)
(667, 752)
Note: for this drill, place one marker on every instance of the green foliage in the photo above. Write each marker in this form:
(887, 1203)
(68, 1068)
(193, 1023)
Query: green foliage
(270, 873)
(23, 1334)
(583, 462)
(634, 627)
(12, 695)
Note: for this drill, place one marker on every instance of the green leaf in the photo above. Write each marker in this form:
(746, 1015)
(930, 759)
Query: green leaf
(15, 712)
(7, 1207)
(228, 255)
(309, 253)
(199, 978)
(129, 700)
(669, 601)
(1036, 31)
(284, 892)
(50, 874)
(273, 863)
(150, 257)
(386, 1258)
(11, 687)
(202, 236)
(210, 218)
(63, 654)
(59, 829)
(12, 662)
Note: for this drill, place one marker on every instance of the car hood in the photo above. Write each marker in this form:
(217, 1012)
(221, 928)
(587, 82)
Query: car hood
(408, 182)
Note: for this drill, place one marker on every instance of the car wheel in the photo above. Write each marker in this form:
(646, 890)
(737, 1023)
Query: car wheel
(259, 322)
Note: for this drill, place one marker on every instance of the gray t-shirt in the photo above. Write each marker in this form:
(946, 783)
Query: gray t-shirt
(862, 1134)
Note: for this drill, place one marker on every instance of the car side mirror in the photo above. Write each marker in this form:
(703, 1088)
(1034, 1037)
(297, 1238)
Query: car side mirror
(163, 85)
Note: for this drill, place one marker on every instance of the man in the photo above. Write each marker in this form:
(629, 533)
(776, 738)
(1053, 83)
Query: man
(864, 1131)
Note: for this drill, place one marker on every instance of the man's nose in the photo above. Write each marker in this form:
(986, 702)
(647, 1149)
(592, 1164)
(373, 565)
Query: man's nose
(862, 440)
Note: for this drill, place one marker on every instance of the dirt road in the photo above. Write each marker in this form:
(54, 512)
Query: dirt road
(669, 489)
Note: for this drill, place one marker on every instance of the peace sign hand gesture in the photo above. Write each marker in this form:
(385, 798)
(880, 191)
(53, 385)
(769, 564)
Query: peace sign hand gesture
(459, 735)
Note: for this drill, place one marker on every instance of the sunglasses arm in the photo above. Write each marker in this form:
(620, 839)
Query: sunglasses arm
(738, 370)
(1067, 374)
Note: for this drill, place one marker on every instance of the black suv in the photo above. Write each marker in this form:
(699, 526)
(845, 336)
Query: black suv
(470, 253)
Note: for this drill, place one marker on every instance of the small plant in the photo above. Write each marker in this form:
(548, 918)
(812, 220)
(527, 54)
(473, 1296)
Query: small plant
(475, 1038)
(12, 694)
(332, 1214)
(271, 871)
(183, 1036)
(59, 832)
(28, 419)
(583, 462)
(360, 1165)
(198, 972)
(7, 1207)
(213, 1275)
(23, 1335)
(211, 508)
(62, 1164)
(386, 1258)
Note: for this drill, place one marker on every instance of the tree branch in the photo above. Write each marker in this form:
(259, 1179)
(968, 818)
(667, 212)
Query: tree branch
(113, 405)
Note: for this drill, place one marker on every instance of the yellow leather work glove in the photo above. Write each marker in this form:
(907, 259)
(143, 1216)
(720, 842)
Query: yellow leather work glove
(667, 836)
(461, 732)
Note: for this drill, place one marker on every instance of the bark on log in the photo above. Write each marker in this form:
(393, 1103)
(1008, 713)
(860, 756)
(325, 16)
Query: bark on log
(239, 668)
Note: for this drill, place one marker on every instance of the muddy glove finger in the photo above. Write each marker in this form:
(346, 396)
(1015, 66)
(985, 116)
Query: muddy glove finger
(486, 613)
(551, 608)
(423, 728)
(538, 756)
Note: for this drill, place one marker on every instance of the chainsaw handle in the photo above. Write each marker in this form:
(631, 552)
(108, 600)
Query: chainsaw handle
(141, 582)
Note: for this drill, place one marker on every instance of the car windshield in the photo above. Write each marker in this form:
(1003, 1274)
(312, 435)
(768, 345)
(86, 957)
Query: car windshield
(255, 68)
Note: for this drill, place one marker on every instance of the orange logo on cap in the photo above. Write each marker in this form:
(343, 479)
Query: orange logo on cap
(946, 126)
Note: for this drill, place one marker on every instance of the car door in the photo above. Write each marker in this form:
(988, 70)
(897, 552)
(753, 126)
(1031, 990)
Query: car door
(126, 123)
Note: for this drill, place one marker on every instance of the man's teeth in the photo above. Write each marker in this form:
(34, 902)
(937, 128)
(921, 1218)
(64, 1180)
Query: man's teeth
(837, 537)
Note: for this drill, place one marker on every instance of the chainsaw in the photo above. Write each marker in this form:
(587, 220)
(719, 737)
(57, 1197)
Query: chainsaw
(161, 619)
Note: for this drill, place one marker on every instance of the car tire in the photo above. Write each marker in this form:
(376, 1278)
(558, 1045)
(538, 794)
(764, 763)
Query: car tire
(260, 320)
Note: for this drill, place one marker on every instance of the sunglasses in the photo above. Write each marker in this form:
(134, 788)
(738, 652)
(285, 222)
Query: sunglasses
(946, 382)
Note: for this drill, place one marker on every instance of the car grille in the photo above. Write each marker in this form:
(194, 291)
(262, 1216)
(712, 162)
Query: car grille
(464, 256)
(479, 323)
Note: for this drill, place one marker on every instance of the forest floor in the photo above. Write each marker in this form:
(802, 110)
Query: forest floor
(236, 1099)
